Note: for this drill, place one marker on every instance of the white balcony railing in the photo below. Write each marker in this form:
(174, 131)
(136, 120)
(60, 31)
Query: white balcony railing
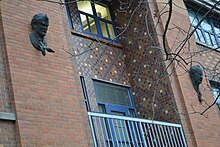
(119, 131)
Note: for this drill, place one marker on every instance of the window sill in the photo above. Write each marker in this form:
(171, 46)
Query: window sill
(7, 116)
(104, 41)
(210, 47)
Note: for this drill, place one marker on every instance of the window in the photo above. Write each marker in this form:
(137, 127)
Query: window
(208, 31)
(216, 92)
(116, 100)
(95, 18)
(113, 99)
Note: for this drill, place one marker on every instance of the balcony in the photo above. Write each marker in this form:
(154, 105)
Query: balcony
(120, 131)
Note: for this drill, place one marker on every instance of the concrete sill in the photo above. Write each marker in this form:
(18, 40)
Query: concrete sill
(104, 41)
(7, 116)
(207, 46)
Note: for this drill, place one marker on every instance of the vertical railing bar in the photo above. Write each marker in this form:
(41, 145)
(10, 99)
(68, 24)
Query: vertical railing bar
(97, 130)
(142, 134)
(157, 137)
(119, 133)
(169, 135)
(161, 137)
(106, 131)
(127, 133)
(101, 129)
(173, 136)
(93, 131)
(133, 125)
(124, 125)
(178, 136)
(146, 134)
(154, 135)
(122, 129)
(164, 137)
(129, 126)
(115, 130)
(181, 140)
(138, 132)
(111, 132)
(127, 130)
(151, 137)
(182, 135)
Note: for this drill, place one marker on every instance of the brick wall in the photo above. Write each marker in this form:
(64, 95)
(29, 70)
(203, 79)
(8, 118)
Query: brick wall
(104, 61)
(114, 63)
(199, 130)
(7, 134)
(144, 63)
(6, 100)
(48, 101)
(7, 128)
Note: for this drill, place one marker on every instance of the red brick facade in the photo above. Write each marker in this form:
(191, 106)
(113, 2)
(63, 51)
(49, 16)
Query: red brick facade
(45, 91)
(48, 100)
(199, 131)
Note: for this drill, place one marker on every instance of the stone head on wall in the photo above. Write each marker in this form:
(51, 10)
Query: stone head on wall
(196, 75)
(40, 23)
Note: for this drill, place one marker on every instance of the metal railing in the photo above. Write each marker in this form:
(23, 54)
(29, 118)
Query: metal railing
(120, 131)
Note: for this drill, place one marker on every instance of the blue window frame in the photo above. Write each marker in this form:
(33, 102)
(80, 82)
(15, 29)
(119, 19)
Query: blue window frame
(117, 100)
(208, 32)
(216, 92)
(95, 18)
(113, 98)
(85, 93)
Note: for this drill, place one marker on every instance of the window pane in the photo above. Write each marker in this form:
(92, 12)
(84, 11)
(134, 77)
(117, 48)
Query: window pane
(215, 93)
(216, 28)
(208, 39)
(111, 31)
(92, 25)
(213, 41)
(101, 108)
(192, 18)
(218, 41)
(102, 12)
(84, 22)
(201, 38)
(109, 93)
(85, 6)
(196, 34)
(104, 29)
(205, 24)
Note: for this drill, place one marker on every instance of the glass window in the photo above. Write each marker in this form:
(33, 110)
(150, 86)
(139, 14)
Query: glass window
(111, 31)
(200, 36)
(208, 39)
(192, 17)
(104, 29)
(208, 31)
(110, 93)
(102, 11)
(85, 6)
(95, 18)
(216, 92)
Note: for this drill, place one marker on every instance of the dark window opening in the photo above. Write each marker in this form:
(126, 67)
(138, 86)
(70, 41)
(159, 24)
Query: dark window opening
(216, 92)
(208, 32)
